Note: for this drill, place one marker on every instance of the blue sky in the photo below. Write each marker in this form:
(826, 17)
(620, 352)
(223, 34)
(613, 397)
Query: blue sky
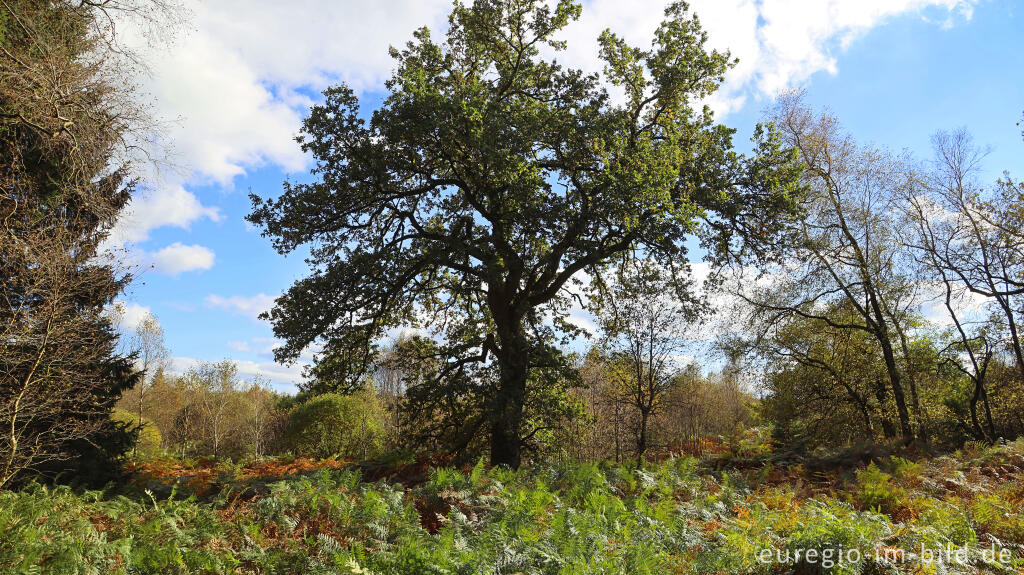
(231, 91)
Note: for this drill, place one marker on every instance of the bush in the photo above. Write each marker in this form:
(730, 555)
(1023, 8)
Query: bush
(149, 438)
(335, 424)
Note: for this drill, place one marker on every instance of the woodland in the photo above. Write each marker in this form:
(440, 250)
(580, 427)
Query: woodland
(761, 392)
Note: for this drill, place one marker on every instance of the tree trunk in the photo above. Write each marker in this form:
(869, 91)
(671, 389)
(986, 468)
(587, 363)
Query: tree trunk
(1014, 335)
(920, 418)
(507, 414)
(888, 431)
(988, 412)
(617, 447)
(641, 440)
(882, 335)
(978, 431)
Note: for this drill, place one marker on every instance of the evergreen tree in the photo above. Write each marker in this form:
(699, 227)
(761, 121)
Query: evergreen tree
(64, 177)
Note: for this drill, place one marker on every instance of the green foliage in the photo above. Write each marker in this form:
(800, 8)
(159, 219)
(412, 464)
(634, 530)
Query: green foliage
(905, 469)
(148, 437)
(441, 207)
(56, 531)
(876, 490)
(944, 523)
(574, 518)
(997, 515)
(751, 443)
(832, 528)
(334, 424)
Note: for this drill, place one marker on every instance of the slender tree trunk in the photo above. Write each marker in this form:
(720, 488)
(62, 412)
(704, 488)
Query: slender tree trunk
(641, 441)
(920, 418)
(978, 431)
(1014, 335)
(868, 427)
(882, 334)
(617, 447)
(142, 397)
(988, 411)
(888, 431)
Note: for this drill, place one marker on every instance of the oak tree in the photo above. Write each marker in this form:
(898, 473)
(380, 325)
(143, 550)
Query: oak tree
(490, 177)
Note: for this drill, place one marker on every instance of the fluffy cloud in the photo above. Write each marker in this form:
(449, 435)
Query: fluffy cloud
(161, 206)
(263, 346)
(249, 306)
(241, 346)
(780, 43)
(177, 258)
(801, 38)
(282, 377)
(233, 89)
(970, 307)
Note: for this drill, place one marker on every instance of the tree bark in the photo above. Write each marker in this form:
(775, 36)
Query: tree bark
(641, 442)
(507, 412)
(888, 431)
(882, 334)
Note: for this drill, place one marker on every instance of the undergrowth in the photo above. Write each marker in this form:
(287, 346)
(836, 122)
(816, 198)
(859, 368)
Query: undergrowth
(579, 518)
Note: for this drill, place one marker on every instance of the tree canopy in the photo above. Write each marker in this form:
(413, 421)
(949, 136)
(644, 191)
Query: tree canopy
(491, 176)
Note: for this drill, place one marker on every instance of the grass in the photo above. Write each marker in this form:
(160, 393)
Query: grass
(677, 516)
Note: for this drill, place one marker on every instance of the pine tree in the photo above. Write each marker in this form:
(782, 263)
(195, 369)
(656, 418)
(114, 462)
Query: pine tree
(64, 177)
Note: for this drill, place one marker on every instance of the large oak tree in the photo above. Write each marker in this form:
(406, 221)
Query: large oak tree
(491, 176)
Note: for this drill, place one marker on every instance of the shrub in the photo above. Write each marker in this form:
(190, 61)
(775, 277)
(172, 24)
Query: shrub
(149, 438)
(334, 424)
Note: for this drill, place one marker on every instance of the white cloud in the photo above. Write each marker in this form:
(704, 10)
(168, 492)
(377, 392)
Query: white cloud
(158, 207)
(235, 87)
(968, 306)
(780, 43)
(249, 306)
(283, 377)
(177, 258)
(583, 320)
(231, 91)
(224, 117)
(129, 315)
(800, 38)
(241, 346)
(263, 346)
